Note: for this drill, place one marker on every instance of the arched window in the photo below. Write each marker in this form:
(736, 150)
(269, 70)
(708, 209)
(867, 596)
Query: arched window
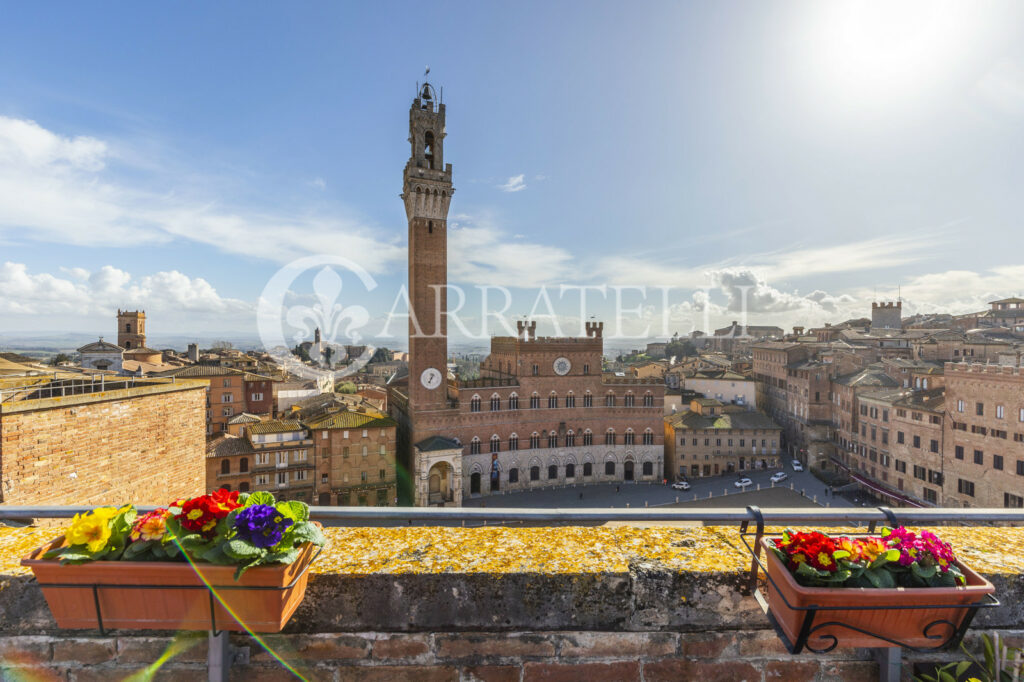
(570, 400)
(495, 403)
(588, 469)
(495, 443)
(609, 437)
(552, 472)
(609, 468)
(552, 440)
(570, 470)
(648, 437)
(474, 404)
(225, 466)
(534, 440)
(243, 487)
(243, 465)
(474, 483)
(513, 475)
(629, 436)
(128, 327)
(513, 402)
(629, 400)
(428, 148)
(553, 400)
(648, 469)
(609, 400)
(513, 442)
(588, 399)
(474, 446)
(648, 399)
(534, 402)
(365, 451)
(570, 439)
(535, 473)
(588, 437)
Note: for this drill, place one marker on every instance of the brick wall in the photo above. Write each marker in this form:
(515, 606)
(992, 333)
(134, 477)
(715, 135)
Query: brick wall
(736, 656)
(144, 444)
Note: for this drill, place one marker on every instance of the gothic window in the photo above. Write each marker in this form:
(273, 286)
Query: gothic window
(609, 400)
(535, 473)
(474, 446)
(570, 400)
(609, 437)
(495, 443)
(629, 400)
(513, 475)
(588, 437)
(428, 148)
(513, 442)
(474, 404)
(513, 402)
(648, 437)
(534, 402)
(588, 469)
(570, 440)
(628, 439)
(570, 470)
(648, 469)
(648, 400)
(495, 403)
(552, 440)
(588, 400)
(552, 401)
(552, 472)
(609, 468)
(534, 441)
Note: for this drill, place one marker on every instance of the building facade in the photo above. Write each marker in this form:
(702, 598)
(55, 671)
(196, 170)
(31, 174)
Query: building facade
(705, 441)
(131, 329)
(541, 413)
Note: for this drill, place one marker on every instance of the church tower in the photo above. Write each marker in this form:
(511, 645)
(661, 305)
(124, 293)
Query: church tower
(427, 191)
(131, 329)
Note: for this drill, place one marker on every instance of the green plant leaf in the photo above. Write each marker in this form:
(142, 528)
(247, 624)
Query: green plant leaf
(260, 497)
(283, 557)
(294, 510)
(242, 550)
(309, 532)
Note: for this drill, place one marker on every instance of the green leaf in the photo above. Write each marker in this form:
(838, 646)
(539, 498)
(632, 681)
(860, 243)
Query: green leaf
(242, 497)
(260, 497)
(840, 554)
(240, 549)
(282, 557)
(309, 532)
(294, 510)
(922, 572)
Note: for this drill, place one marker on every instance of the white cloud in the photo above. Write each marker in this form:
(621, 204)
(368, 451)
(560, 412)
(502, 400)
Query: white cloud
(102, 291)
(515, 183)
(319, 183)
(481, 253)
(60, 189)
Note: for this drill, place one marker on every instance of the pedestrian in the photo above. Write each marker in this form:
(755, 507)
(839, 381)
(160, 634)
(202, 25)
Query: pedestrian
(581, 496)
(616, 488)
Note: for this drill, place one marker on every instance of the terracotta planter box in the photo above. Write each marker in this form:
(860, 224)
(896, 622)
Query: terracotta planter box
(907, 626)
(172, 605)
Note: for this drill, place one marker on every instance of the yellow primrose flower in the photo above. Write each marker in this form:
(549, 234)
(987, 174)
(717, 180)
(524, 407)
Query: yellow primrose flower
(90, 530)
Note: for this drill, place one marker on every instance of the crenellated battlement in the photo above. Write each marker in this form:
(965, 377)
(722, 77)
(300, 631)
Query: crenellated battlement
(982, 368)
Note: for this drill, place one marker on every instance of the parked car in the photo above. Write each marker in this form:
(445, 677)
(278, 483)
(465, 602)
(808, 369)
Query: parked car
(797, 466)
(680, 485)
(743, 482)
(779, 476)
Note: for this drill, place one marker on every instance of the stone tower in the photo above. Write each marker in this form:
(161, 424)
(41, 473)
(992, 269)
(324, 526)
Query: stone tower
(887, 315)
(131, 329)
(427, 191)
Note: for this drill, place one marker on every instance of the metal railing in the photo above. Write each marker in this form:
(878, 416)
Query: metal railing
(934, 516)
(59, 388)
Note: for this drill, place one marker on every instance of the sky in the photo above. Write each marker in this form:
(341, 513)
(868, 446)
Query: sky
(798, 159)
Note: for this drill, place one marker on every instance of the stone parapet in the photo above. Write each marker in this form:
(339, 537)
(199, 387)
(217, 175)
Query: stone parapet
(501, 603)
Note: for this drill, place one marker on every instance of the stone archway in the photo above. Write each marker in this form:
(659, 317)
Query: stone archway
(439, 484)
(627, 470)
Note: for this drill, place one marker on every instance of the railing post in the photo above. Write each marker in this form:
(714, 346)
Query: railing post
(218, 658)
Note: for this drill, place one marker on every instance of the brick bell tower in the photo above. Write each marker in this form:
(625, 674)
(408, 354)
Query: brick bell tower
(427, 191)
(131, 329)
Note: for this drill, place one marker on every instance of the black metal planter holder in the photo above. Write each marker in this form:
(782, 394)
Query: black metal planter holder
(219, 654)
(889, 658)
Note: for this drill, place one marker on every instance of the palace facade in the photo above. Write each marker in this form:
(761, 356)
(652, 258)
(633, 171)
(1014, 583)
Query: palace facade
(542, 412)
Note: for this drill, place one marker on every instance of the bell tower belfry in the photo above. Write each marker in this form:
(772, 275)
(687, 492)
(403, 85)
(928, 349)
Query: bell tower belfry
(427, 191)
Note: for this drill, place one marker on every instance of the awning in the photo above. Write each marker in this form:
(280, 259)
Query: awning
(882, 490)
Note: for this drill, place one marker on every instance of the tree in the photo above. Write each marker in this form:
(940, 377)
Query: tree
(346, 387)
(59, 358)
